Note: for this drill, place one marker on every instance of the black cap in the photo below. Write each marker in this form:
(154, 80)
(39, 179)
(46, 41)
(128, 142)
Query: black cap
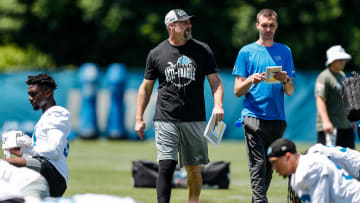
(279, 148)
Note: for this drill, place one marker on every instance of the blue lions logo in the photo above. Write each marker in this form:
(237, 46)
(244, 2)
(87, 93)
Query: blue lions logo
(183, 60)
(182, 73)
(269, 151)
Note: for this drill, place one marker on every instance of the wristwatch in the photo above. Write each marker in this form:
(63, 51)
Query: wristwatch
(287, 80)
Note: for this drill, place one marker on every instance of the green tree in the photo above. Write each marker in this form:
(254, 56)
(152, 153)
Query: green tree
(107, 31)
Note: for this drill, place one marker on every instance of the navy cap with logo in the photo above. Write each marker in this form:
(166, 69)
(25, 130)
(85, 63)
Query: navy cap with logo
(176, 15)
(279, 148)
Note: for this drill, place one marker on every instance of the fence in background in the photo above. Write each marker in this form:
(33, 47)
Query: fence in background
(17, 113)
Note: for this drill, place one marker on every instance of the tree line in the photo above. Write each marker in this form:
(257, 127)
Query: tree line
(67, 33)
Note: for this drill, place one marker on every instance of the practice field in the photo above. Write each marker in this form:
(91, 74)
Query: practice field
(105, 167)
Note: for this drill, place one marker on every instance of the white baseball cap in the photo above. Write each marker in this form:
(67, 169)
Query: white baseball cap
(336, 52)
(176, 15)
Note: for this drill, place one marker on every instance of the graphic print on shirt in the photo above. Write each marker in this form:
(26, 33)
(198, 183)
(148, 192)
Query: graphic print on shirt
(277, 58)
(182, 73)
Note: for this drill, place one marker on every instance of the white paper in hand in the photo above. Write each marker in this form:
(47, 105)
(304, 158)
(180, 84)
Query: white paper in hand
(9, 140)
(13, 139)
(214, 132)
(330, 139)
(270, 71)
(23, 140)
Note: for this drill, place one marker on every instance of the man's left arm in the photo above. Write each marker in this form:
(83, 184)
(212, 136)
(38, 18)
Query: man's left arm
(287, 75)
(218, 94)
(57, 141)
(57, 131)
(288, 84)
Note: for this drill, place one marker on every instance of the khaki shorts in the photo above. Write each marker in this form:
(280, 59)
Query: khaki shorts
(185, 138)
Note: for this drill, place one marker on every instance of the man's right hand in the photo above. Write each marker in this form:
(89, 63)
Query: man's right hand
(140, 128)
(328, 127)
(256, 78)
(16, 151)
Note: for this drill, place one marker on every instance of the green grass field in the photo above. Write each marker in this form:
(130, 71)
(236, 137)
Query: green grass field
(105, 167)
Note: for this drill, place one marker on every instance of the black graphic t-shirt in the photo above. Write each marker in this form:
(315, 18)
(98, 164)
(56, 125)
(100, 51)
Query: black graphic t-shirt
(181, 72)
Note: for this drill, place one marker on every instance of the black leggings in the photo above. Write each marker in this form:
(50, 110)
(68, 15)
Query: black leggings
(163, 183)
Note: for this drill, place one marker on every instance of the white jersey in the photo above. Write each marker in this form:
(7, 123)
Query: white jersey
(13, 180)
(50, 138)
(318, 179)
(346, 158)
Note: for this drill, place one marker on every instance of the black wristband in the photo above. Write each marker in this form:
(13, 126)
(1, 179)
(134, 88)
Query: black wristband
(287, 80)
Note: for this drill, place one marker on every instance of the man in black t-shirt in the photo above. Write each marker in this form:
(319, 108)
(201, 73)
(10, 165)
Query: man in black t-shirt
(180, 63)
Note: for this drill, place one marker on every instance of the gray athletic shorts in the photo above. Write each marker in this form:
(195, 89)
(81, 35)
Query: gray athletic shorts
(184, 137)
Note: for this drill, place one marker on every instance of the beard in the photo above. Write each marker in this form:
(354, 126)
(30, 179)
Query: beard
(187, 34)
(39, 105)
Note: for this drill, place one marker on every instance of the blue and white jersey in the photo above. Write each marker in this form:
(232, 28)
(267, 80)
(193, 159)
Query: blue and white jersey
(264, 101)
(319, 179)
(50, 138)
(346, 158)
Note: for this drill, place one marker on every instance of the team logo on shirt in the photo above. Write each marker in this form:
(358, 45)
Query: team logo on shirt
(277, 58)
(182, 73)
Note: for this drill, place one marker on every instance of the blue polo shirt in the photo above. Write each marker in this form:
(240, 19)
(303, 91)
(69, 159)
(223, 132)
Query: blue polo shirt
(264, 101)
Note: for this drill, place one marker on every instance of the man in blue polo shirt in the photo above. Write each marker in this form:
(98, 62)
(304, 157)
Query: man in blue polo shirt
(263, 108)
